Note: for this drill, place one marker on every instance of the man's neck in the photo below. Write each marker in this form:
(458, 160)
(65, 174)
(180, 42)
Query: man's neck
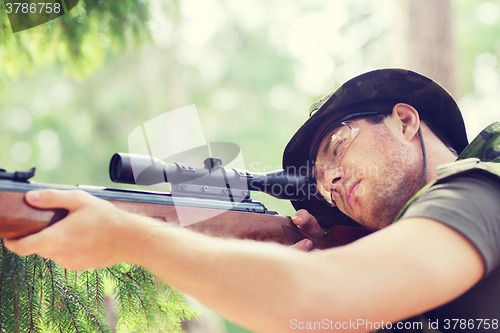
(436, 156)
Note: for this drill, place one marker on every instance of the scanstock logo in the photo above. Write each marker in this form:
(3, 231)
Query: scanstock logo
(26, 14)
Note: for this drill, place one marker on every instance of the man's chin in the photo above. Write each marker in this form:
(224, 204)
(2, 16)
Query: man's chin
(368, 217)
(375, 220)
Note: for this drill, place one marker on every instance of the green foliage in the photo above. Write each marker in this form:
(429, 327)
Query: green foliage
(38, 295)
(79, 39)
(473, 37)
(143, 302)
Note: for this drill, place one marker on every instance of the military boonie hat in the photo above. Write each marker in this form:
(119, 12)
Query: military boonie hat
(435, 106)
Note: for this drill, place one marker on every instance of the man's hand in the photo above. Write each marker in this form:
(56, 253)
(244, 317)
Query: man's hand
(94, 234)
(310, 226)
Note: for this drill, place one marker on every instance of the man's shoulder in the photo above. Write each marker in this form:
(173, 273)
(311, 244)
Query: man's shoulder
(470, 168)
(485, 146)
(467, 166)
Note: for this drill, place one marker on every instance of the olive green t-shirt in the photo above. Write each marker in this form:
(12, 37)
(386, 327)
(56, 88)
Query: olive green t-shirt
(470, 204)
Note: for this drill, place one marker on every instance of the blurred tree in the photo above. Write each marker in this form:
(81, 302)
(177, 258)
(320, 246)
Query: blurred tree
(424, 40)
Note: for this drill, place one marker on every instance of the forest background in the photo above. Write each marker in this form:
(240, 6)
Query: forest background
(72, 90)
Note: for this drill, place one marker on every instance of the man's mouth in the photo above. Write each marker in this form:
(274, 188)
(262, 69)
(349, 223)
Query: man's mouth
(351, 190)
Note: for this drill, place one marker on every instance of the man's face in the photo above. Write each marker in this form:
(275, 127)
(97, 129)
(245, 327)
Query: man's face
(377, 174)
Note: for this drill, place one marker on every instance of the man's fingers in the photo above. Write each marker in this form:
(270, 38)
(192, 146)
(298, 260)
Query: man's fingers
(303, 245)
(70, 200)
(46, 199)
(23, 247)
(301, 218)
(308, 224)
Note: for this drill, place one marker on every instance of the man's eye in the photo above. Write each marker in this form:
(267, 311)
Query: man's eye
(336, 147)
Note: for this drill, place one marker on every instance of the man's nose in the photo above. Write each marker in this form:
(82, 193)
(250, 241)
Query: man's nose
(333, 179)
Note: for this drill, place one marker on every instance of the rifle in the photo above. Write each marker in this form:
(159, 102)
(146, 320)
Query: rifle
(222, 211)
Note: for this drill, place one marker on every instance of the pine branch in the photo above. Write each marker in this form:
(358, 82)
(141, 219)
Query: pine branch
(30, 289)
(134, 302)
(72, 317)
(91, 298)
(90, 315)
(37, 295)
(79, 34)
(4, 253)
(16, 295)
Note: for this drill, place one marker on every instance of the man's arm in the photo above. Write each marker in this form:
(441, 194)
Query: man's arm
(403, 270)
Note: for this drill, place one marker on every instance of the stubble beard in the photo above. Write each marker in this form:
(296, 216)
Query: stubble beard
(396, 182)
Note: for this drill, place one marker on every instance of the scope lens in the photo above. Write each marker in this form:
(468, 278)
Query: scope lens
(115, 168)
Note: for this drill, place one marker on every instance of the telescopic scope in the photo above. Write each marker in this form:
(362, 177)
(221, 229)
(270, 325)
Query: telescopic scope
(148, 170)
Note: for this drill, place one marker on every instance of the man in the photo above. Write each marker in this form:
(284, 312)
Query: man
(371, 145)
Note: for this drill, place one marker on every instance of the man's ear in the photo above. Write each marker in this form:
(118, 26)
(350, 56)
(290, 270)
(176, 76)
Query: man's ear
(407, 120)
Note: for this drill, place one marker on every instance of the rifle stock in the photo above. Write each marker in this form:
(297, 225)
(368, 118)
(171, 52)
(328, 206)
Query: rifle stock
(18, 219)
